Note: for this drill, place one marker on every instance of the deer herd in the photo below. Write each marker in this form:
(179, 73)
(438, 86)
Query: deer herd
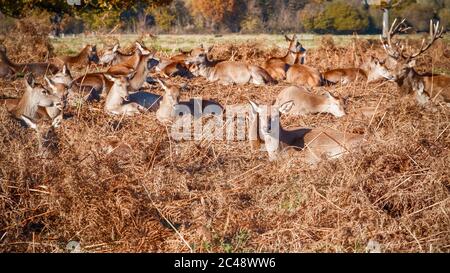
(125, 75)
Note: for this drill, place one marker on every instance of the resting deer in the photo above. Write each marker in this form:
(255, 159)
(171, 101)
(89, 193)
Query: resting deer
(278, 66)
(425, 86)
(35, 96)
(305, 102)
(118, 95)
(38, 69)
(166, 111)
(109, 55)
(228, 72)
(129, 64)
(371, 70)
(6, 71)
(96, 85)
(176, 65)
(301, 74)
(59, 90)
(64, 76)
(316, 144)
(86, 56)
(91, 86)
(167, 108)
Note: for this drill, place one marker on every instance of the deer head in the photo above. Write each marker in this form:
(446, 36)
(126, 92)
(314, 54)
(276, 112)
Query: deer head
(403, 56)
(92, 56)
(268, 119)
(199, 55)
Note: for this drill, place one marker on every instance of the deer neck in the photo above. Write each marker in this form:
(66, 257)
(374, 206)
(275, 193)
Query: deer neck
(206, 68)
(141, 72)
(290, 57)
(83, 55)
(407, 83)
(27, 105)
(135, 59)
(276, 143)
(166, 109)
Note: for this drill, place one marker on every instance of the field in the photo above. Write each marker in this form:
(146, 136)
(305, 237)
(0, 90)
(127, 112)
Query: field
(154, 194)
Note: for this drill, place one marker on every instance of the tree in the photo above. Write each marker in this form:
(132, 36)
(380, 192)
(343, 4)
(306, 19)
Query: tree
(336, 16)
(386, 6)
(213, 11)
(444, 17)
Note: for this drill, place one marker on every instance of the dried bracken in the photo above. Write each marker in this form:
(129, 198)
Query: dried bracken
(155, 194)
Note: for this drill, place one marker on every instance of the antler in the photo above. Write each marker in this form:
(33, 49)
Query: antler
(435, 33)
(391, 50)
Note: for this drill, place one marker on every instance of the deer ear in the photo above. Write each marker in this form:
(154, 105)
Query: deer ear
(209, 49)
(328, 95)
(64, 69)
(286, 107)
(138, 46)
(412, 63)
(50, 82)
(29, 80)
(294, 37)
(111, 78)
(131, 75)
(287, 38)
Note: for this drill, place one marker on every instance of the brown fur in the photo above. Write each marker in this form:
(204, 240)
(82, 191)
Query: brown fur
(38, 69)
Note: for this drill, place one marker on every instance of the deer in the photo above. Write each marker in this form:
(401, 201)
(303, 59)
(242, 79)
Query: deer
(315, 143)
(301, 74)
(228, 72)
(305, 102)
(425, 86)
(114, 104)
(371, 70)
(91, 86)
(166, 112)
(97, 85)
(109, 55)
(38, 69)
(64, 76)
(86, 56)
(278, 66)
(129, 63)
(6, 71)
(176, 65)
(34, 97)
(59, 90)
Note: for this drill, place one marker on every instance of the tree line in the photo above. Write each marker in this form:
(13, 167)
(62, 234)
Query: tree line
(213, 16)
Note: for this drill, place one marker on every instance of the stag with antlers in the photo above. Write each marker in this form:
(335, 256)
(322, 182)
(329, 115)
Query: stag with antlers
(425, 86)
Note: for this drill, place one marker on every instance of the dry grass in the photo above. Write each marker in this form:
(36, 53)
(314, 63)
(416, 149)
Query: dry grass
(153, 194)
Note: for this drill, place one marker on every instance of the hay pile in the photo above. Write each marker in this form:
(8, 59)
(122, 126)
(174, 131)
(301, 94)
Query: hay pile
(221, 196)
(28, 41)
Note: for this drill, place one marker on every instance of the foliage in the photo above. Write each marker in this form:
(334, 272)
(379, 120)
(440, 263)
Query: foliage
(251, 24)
(322, 16)
(337, 16)
(444, 16)
(163, 17)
